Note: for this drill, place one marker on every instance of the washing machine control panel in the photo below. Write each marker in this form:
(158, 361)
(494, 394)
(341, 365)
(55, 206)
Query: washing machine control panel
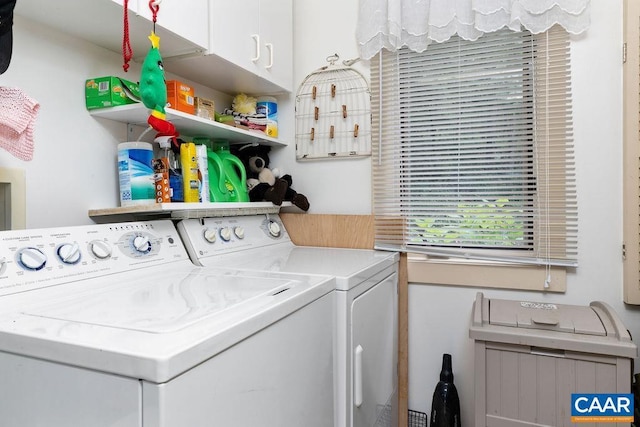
(32, 259)
(218, 236)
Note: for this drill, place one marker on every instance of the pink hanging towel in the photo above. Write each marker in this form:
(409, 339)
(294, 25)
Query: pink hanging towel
(18, 113)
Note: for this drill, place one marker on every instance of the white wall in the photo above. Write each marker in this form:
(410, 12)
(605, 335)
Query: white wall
(340, 186)
(74, 167)
(73, 164)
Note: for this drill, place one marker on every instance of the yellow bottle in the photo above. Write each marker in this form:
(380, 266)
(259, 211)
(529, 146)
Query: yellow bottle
(189, 162)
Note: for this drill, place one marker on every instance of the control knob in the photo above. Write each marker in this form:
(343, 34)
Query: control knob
(239, 232)
(274, 228)
(225, 234)
(32, 258)
(69, 253)
(100, 249)
(141, 244)
(210, 235)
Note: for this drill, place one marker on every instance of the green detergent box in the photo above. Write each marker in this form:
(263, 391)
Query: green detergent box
(109, 91)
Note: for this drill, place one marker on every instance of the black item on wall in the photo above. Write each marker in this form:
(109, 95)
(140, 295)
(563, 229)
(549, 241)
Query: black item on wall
(6, 33)
(445, 406)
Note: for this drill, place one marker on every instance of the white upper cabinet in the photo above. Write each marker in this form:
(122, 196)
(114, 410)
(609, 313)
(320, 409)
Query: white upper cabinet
(276, 32)
(101, 22)
(224, 61)
(187, 18)
(261, 43)
(239, 44)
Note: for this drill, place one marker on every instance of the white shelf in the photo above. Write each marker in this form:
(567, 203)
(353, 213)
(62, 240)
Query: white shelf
(186, 124)
(182, 211)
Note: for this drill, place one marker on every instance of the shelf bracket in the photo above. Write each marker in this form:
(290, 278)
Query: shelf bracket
(130, 132)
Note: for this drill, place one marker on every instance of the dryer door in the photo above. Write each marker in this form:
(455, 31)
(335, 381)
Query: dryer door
(374, 350)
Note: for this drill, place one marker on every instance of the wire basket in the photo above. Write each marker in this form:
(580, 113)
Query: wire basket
(333, 113)
(385, 415)
(417, 419)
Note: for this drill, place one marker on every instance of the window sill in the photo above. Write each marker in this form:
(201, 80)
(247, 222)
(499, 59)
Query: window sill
(483, 274)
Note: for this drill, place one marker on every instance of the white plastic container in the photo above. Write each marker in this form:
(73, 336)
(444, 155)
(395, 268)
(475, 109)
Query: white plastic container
(531, 356)
(135, 173)
(268, 106)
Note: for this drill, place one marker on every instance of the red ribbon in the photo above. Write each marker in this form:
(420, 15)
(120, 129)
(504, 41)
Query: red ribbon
(154, 9)
(127, 52)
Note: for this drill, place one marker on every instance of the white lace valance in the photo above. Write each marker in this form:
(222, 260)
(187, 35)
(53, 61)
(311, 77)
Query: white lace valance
(392, 24)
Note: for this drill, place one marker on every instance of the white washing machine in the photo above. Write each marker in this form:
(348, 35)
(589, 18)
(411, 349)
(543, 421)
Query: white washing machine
(113, 325)
(366, 339)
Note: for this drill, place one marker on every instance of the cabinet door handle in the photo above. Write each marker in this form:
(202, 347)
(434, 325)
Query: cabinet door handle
(357, 377)
(270, 47)
(256, 38)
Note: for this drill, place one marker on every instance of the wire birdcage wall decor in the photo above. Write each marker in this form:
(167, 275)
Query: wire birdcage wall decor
(333, 113)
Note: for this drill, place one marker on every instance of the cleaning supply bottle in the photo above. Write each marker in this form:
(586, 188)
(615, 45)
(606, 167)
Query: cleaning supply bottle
(175, 178)
(161, 170)
(235, 176)
(445, 407)
(170, 151)
(203, 169)
(218, 191)
(190, 182)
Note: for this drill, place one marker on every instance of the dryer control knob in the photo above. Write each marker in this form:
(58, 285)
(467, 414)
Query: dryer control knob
(32, 258)
(274, 229)
(210, 235)
(225, 234)
(100, 249)
(141, 244)
(239, 232)
(69, 253)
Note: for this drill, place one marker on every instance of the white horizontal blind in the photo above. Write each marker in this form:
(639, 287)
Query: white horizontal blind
(473, 153)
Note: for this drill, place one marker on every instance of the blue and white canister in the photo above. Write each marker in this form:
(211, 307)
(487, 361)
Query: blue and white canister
(268, 106)
(135, 173)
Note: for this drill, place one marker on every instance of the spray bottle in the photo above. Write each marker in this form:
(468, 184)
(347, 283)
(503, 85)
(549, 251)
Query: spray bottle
(169, 146)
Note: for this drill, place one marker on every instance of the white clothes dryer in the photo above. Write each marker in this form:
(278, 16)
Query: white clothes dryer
(113, 325)
(366, 339)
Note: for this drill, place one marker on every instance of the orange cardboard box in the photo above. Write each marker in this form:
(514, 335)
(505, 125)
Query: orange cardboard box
(180, 96)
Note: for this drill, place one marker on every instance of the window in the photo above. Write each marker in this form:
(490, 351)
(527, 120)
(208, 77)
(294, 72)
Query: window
(473, 156)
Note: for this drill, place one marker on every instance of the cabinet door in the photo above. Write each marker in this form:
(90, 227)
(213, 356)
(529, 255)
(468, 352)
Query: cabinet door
(374, 355)
(188, 19)
(276, 32)
(261, 41)
(235, 32)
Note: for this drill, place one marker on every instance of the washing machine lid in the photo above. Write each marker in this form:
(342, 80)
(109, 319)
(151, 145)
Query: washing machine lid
(151, 325)
(350, 267)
